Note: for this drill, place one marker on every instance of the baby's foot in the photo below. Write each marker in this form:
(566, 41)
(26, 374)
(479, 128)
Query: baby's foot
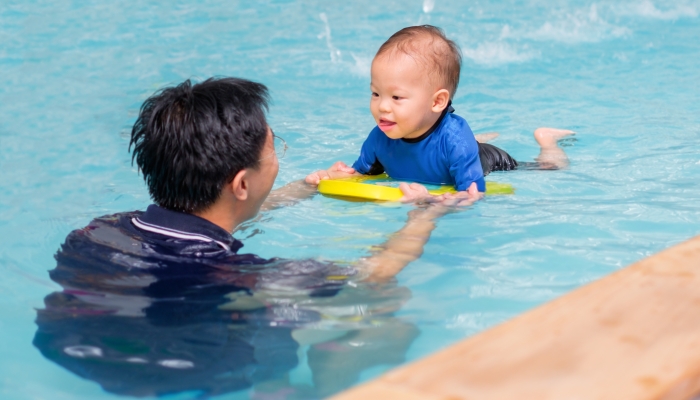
(486, 137)
(548, 137)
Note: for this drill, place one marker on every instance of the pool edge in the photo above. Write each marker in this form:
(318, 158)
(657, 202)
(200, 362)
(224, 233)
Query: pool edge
(633, 334)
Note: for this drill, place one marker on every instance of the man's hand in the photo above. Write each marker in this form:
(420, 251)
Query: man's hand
(337, 170)
(461, 199)
(417, 193)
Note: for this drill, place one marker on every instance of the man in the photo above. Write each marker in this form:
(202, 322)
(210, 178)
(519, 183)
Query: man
(208, 158)
(163, 301)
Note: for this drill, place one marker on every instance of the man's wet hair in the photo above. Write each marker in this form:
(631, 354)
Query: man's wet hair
(429, 45)
(192, 139)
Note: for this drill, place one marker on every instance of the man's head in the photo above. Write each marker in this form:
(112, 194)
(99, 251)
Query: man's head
(190, 141)
(414, 75)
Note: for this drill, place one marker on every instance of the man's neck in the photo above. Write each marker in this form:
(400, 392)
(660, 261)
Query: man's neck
(223, 215)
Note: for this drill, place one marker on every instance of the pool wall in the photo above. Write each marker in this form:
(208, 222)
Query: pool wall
(634, 334)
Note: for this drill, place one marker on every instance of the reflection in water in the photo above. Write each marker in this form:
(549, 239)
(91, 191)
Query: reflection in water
(141, 325)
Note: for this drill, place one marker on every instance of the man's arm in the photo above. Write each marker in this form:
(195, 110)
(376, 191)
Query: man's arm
(288, 195)
(297, 191)
(407, 244)
(336, 171)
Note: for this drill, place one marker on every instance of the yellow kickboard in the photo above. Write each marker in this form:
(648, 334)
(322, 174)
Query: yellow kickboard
(353, 187)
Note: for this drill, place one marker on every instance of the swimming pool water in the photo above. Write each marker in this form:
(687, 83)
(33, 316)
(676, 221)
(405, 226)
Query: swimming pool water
(622, 74)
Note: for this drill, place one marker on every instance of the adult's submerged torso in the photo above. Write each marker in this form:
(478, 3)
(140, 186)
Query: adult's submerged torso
(158, 302)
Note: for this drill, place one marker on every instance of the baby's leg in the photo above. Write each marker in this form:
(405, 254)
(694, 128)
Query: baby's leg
(551, 155)
(486, 137)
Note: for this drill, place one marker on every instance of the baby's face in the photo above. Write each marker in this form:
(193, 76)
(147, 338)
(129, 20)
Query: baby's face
(402, 96)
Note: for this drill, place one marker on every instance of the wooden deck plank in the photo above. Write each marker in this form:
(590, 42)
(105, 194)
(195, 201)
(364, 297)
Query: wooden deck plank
(634, 334)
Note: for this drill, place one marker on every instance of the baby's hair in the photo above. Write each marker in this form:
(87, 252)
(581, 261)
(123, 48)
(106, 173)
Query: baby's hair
(429, 44)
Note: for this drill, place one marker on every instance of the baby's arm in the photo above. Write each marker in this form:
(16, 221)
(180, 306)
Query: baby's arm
(362, 166)
(465, 165)
(336, 171)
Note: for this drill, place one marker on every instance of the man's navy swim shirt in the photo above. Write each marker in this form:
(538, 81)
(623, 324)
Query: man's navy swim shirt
(171, 245)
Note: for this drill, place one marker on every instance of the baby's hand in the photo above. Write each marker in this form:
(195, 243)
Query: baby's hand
(337, 170)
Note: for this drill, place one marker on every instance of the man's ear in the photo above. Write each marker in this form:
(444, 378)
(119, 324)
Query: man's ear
(440, 100)
(239, 185)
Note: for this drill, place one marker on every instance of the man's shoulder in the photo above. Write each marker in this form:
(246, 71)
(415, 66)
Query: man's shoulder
(111, 222)
(102, 235)
(117, 219)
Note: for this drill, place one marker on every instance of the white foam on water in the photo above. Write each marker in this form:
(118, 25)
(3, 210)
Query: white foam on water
(498, 53)
(580, 26)
(648, 9)
(80, 351)
(428, 5)
(176, 364)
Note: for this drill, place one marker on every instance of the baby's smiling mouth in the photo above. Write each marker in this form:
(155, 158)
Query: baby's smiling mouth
(385, 124)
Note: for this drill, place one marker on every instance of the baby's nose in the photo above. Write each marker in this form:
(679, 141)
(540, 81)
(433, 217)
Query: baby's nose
(385, 105)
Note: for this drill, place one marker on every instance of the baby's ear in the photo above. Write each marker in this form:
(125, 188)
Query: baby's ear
(440, 100)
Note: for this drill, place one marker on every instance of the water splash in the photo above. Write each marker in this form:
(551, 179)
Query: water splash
(428, 6)
(362, 65)
(335, 53)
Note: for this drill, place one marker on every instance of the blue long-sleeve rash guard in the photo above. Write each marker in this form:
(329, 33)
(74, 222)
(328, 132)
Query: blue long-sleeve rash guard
(447, 154)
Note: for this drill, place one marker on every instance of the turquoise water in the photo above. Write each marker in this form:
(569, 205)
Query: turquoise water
(623, 75)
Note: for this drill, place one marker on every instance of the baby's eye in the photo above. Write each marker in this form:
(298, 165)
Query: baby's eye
(375, 94)
(395, 97)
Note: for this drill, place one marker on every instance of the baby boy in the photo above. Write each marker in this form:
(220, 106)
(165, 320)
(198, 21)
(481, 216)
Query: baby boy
(418, 138)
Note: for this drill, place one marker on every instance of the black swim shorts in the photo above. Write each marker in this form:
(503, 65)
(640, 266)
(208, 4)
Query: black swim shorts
(495, 159)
